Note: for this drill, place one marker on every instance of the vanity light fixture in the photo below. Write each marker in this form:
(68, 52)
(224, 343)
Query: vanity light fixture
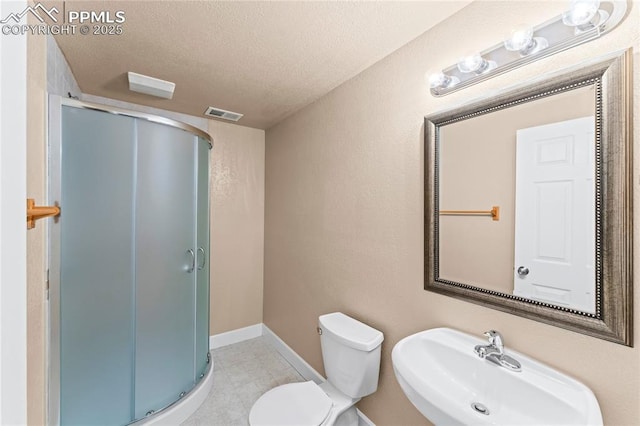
(585, 20)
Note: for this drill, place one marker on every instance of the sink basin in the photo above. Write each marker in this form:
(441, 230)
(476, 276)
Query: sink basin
(444, 378)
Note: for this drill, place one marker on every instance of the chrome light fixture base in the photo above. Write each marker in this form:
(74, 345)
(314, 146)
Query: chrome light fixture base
(550, 37)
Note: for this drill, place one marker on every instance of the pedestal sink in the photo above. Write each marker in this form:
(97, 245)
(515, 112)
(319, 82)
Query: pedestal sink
(449, 384)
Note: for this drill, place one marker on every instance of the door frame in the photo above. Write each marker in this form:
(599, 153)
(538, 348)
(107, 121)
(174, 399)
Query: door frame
(13, 236)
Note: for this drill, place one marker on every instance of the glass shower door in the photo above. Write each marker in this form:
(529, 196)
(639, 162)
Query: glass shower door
(130, 266)
(96, 268)
(166, 264)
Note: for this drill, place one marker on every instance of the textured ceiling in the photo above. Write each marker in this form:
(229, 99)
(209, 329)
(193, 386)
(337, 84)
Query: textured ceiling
(265, 60)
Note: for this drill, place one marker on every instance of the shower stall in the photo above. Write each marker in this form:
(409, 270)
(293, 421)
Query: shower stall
(129, 266)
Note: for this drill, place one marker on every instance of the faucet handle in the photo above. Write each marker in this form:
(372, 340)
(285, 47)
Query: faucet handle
(495, 339)
(491, 334)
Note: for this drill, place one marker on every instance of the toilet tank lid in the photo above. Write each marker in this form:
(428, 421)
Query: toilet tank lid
(351, 332)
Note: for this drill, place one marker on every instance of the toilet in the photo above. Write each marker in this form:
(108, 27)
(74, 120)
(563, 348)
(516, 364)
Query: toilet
(351, 356)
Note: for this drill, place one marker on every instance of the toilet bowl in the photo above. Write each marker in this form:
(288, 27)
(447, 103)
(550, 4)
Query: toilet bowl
(300, 404)
(351, 356)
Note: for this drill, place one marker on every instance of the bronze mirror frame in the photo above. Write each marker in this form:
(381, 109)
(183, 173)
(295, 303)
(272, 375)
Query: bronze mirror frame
(613, 319)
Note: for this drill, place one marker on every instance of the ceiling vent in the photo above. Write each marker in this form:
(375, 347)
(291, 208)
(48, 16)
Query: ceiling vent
(221, 113)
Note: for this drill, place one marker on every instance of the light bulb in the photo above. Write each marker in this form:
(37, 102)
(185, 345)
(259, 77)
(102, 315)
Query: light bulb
(519, 39)
(523, 41)
(580, 12)
(441, 80)
(476, 64)
(471, 63)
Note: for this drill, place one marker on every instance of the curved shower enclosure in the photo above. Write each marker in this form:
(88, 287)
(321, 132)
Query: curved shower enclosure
(129, 269)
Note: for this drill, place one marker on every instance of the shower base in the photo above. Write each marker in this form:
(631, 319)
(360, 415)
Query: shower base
(180, 410)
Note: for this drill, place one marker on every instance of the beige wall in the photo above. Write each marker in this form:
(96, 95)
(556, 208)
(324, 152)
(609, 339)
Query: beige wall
(60, 78)
(36, 238)
(477, 171)
(237, 226)
(344, 213)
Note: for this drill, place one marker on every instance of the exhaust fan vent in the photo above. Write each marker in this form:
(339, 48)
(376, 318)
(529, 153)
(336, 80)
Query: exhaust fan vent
(150, 85)
(221, 113)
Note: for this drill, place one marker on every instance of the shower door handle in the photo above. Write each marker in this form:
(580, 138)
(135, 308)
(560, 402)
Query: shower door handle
(204, 259)
(193, 261)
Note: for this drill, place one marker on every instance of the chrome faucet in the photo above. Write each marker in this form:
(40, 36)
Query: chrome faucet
(494, 352)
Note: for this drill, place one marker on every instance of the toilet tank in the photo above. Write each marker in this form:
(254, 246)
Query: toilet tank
(351, 354)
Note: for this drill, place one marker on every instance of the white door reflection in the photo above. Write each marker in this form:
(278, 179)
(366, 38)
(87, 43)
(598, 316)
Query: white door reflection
(555, 214)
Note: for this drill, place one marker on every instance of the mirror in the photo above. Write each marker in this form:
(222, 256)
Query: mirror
(528, 200)
(537, 168)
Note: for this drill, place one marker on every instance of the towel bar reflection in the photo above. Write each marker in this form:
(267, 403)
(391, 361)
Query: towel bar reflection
(38, 212)
(494, 212)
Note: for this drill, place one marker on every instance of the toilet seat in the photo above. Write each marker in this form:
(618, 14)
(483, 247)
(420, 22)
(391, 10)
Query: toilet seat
(294, 404)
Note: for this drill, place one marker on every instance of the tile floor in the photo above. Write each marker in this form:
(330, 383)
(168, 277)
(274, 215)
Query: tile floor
(241, 374)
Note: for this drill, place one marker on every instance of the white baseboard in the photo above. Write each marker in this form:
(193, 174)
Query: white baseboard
(296, 361)
(364, 420)
(235, 336)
